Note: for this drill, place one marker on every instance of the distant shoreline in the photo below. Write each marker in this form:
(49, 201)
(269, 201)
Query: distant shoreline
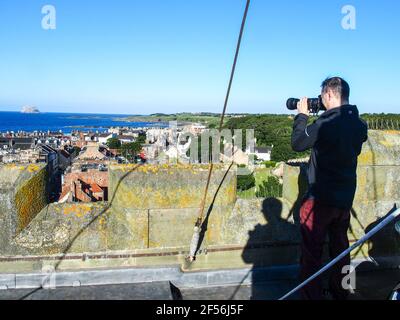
(66, 122)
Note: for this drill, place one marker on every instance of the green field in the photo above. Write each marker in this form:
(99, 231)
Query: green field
(261, 176)
(211, 120)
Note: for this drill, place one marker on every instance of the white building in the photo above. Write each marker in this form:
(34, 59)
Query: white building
(103, 138)
(263, 153)
(126, 139)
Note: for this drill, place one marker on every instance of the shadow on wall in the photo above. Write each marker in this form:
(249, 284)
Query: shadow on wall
(204, 225)
(383, 248)
(383, 251)
(383, 245)
(302, 185)
(276, 228)
(376, 279)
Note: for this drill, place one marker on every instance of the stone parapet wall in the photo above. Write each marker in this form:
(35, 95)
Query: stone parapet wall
(23, 194)
(170, 186)
(90, 228)
(150, 207)
(155, 208)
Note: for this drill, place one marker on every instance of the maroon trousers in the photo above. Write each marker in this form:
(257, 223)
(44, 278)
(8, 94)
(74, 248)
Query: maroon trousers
(317, 221)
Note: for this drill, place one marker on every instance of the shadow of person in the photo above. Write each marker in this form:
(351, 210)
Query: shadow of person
(302, 185)
(259, 252)
(375, 279)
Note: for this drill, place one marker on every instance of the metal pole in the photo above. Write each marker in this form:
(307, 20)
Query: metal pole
(381, 225)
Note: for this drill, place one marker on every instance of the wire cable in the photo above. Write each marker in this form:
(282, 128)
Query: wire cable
(197, 228)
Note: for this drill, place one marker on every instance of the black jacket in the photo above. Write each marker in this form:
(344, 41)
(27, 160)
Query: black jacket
(336, 138)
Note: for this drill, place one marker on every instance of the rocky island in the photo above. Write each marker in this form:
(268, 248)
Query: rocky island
(29, 109)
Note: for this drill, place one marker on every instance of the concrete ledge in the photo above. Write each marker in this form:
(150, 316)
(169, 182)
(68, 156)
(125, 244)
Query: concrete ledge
(139, 291)
(7, 281)
(143, 275)
(172, 274)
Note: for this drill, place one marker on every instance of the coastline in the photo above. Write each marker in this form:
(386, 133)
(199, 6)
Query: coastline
(16, 121)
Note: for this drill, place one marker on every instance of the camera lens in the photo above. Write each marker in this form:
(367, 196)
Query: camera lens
(314, 104)
(291, 104)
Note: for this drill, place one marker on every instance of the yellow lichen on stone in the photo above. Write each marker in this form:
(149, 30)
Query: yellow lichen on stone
(79, 210)
(387, 143)
(394, 132)
(30, 199)
(33, 168)
(366, 158)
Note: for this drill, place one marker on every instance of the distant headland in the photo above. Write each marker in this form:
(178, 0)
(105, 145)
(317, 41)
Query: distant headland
(29, 109)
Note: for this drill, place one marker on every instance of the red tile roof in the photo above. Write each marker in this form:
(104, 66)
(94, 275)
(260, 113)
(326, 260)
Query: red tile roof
(95, 188)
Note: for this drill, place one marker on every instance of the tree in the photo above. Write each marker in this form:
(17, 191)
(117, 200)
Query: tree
(270, 130)
(283, 151)
(77, 150)
(246, 181)
(269, 164)
(113, 143)
(130, 150)
(142, 138)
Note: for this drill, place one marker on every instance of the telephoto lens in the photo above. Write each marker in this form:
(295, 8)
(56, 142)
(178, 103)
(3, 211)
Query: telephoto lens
(314, 104)
(291, 104)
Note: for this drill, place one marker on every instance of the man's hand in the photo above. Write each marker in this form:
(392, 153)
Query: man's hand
(302, 106)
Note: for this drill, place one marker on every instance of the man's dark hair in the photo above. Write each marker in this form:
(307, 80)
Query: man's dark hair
(339, 86)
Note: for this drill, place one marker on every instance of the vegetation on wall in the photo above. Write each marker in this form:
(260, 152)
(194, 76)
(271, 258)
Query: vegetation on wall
(270, 164)
(246, 181)
(270, 188)
(266, 185)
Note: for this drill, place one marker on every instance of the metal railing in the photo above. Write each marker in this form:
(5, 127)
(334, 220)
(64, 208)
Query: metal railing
(390, 218)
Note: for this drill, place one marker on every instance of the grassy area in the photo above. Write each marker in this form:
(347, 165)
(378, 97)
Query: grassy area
(208, 119)
(261, 176)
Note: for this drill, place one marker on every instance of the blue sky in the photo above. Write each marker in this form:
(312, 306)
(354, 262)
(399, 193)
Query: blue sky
(141, 57)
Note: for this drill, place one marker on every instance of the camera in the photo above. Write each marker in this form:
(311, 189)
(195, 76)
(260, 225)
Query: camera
(315, 105)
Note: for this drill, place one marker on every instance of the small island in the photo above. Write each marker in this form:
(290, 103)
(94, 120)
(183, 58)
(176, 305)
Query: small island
(29, 109)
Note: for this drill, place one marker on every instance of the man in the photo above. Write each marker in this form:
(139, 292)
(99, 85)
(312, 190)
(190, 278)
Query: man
(336, 139)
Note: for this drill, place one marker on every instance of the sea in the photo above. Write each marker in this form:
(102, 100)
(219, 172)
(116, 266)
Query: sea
(66, 122)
